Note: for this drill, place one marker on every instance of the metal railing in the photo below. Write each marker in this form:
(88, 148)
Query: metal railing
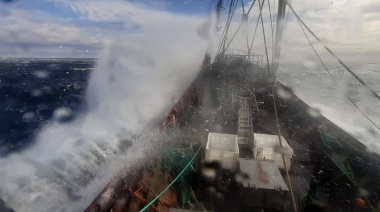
(237, 54)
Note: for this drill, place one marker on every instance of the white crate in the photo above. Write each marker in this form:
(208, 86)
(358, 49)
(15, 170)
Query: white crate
(262, 174)
(267, 147)
(265, 187)
(222, 148)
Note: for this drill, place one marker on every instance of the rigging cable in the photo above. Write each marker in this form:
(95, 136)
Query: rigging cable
(277, 120)
(231, 14)
(287, 17)
(226, 27)
(257, 24)
(334, 78)
(242, 6)
(229, 43)
(250, 8)
(352, 176)
(271, 27)
(274, 6)
(254, 16)
(333, 54)
(248, 46)
(248, 50)
(241, 23)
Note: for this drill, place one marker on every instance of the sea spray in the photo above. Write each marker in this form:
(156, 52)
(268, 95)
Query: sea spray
(71, 162)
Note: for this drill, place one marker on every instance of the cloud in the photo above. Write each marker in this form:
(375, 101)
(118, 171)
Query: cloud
(148, 20)
(350, 28)
(342, 25)
(28, 31)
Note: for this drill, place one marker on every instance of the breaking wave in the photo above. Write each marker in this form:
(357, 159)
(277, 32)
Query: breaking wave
(71, 162)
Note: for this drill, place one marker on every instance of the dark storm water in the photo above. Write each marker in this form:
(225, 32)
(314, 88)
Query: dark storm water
(31, 90)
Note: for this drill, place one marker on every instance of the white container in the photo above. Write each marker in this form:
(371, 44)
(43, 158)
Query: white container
(267, 147)
(265, 187)
(222, 148)
(262, 174)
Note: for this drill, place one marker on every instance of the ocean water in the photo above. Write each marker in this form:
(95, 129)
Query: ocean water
(315, 86)
(69, 126)
(31, 90)
(66, 123)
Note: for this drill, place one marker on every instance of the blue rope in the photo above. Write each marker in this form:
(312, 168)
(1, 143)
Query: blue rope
(184, 169)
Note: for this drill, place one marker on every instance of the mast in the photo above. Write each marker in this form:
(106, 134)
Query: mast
(279, 33)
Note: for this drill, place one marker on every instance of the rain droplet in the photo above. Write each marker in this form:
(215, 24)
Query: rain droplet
(37, 92)
(28, 116)
(62, 114)
(309, 63)
(314, 112)
(285, 93)
(42, 74)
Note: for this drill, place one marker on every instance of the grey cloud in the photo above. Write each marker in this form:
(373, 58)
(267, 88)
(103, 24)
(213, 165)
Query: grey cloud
(372, 7)
(26, 31)
(346, 26)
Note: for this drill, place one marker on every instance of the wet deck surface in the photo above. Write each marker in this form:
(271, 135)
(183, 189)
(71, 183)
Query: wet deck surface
(219, 115)
(301, 169)
(224, 120)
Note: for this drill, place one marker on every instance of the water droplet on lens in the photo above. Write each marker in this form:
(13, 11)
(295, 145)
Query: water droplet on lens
(42, 74)
(62, 114)
(209, 173)
(285, 93)
(313, 112)
(28, 116)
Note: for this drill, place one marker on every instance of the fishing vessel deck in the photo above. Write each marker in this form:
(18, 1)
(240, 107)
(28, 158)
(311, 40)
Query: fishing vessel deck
(237, 96)
(221, 94)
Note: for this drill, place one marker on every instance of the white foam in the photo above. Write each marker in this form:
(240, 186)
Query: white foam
(322, 93)
(70, 163)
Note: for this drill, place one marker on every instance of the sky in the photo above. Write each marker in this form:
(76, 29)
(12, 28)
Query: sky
(64, 28)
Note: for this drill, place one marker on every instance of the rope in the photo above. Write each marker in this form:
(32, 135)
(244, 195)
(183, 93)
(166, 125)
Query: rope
(228, 23)
(271, 27)
(233, 37)
(180, 174)
(242, 6)
(334, 78)
(277, 120)
(224, 28)
(250, 8)
(254, 16)
(333, 54)
(347, 174)
(248, 46)
(257, 24)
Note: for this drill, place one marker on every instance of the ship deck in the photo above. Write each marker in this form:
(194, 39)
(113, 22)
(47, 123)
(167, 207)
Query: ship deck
(209, 106)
